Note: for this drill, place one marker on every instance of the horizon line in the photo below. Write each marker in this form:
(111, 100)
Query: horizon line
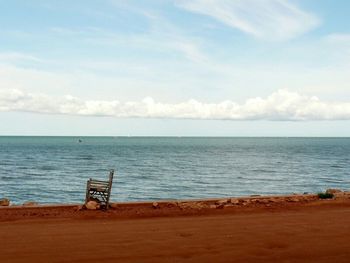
(176, 136)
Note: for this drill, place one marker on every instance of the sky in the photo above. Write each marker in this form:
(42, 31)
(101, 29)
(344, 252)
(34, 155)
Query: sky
(175, 67)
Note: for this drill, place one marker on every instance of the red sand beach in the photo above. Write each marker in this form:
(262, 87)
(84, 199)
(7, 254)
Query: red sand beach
(256, 229)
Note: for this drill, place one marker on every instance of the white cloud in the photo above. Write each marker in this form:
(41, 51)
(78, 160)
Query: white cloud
(266, 19)
(17, 56)
(338, 39)
(282, 105)
(161, 38)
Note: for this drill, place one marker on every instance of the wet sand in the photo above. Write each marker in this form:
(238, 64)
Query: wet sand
(283, 230)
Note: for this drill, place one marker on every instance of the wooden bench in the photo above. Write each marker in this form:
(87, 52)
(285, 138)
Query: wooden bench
(100, 191)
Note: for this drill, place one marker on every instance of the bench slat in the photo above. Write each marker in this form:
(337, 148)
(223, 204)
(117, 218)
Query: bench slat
(98, 183)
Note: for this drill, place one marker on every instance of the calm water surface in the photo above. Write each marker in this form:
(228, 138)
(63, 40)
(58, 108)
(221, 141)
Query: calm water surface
(55, 169)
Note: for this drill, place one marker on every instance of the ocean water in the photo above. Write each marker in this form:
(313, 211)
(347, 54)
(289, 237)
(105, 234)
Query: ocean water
(55, 169)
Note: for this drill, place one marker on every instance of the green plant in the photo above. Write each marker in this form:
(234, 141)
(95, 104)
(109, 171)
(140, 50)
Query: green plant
(325, 195)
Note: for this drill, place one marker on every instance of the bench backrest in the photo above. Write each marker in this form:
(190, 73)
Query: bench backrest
(100, 183)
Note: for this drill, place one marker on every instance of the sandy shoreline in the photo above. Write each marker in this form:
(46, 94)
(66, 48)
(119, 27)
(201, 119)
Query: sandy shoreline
(297, 228)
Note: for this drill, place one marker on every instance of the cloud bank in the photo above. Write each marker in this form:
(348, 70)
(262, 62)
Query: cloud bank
(267, 19)
(282, 105)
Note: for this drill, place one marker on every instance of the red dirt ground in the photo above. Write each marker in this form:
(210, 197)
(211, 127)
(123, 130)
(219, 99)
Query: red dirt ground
(307, 230)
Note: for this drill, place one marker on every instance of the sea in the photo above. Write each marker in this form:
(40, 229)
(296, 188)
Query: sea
(52, 170)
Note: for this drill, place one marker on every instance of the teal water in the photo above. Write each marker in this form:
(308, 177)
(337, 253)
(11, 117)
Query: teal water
(55, 169)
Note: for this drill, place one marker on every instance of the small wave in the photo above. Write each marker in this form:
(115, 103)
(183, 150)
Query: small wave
(255, 179)
(8, 163)
(23, 168)
(85, 157)
(337, 166)
(263, 171)
(333, 181)
(47, 168)
(6, 178)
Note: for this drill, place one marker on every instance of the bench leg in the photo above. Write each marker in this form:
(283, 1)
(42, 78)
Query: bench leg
(87, 197)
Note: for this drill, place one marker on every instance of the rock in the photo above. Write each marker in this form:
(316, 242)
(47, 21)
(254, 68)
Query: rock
(261, 201)
(30, 203)
(333, 191)
(246, 201)
(222, 202)
(192, 205)
(171, 204)
(4, 202)
(92, 205)
(310, 197)
(212, 206)
(292, 199)
(183, 205)
(234, 201)
(94, 199)
(220, 206)
(155, 205)
(198, 205)
(287, 199)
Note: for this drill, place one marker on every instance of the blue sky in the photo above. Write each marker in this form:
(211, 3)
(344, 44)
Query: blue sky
(194, 67)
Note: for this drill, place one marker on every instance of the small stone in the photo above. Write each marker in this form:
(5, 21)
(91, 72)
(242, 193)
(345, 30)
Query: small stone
(197, 205)
(292, 199)
(212, 206)
(30, 203)
(245, 202)
(221, 206)
(234, 201)
(346, 194)
(333, 191)
(192, 205)
(4, 202)
(171, 204)
(155, 205)
(92, 205)
(222, 202)
(262, 201)
(94, 199)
